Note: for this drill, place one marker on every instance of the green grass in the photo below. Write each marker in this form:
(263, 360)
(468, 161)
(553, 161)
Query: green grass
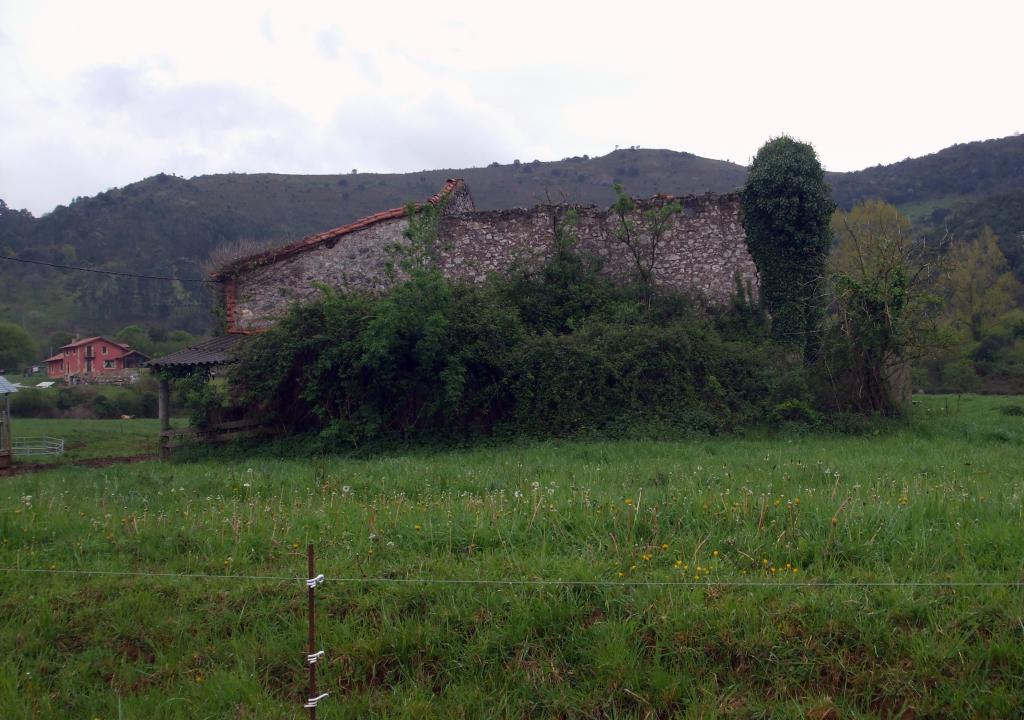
(937, 500)
(86, 439)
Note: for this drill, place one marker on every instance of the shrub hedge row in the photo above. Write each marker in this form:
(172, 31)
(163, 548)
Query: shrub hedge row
(558, 352)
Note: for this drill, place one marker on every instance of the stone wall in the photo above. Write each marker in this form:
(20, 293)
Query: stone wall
(701, 252)
(358, 260)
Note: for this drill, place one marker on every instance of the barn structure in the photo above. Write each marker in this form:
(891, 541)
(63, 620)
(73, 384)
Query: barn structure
(702, 250)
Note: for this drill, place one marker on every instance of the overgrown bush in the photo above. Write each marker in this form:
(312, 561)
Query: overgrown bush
(559, 351)
(87, 401)
(28, 403)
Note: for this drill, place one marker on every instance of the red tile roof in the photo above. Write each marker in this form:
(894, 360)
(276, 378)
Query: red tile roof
(83, 341)
(329, 236)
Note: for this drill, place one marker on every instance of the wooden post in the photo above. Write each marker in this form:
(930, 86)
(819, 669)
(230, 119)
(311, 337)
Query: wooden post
(6, 454)
(164, 404)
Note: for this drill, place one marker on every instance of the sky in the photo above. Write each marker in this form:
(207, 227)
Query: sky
(101, 94)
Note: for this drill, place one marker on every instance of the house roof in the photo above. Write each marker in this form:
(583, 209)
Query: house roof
(87, 340)
(327, 237)
(55, 358)
(215, 351)
(6, 387)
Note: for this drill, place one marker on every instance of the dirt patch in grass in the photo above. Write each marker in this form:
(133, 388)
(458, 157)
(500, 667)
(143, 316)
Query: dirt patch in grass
(99, 462)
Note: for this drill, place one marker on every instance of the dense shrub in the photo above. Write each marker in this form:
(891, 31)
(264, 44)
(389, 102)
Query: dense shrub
(87, 401)
(556, 352)
(29, 403)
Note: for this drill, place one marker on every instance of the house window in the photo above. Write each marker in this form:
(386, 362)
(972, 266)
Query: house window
(104, 349)
(108, 364)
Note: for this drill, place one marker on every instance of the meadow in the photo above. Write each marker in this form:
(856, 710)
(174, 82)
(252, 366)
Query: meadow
(92, 439)
(784, 574)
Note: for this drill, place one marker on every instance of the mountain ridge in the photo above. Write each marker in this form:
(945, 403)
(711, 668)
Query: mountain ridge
(170, 224)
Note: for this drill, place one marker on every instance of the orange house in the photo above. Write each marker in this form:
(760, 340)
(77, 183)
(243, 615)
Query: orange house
(84, 359)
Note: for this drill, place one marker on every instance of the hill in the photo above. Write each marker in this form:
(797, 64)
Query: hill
(167, 225)
(969, 170)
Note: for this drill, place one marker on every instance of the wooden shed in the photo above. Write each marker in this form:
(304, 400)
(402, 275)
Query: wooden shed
(202, 357)
(6, 390)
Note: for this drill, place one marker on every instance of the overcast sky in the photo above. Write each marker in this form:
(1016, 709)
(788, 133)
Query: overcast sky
(100, 94)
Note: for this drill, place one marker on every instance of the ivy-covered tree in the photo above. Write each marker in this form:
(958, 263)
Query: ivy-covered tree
(787, 206)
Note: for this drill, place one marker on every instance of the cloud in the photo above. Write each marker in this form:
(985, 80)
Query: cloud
(112, 87)
(198, 87)
(267, 28)
(155, 109)
(327, 42)
(440, 129)
(133, 121)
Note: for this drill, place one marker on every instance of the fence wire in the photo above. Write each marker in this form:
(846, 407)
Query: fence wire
(541, 582)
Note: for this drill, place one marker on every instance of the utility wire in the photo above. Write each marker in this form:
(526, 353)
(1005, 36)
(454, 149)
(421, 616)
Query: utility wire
(126, 573)
(678, 583)
(107, 272)
(547, 583)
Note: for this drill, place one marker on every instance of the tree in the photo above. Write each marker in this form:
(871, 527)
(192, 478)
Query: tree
(644, 240)
(786, 208)
(58, 339)
(983, 316)
(422, 251)
(980, 289)
(16, 347)
(135, 337)
(881, 311)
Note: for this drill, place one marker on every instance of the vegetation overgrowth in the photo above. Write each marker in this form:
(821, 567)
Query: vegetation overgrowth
(786, 207)
(87, 402)
(937, 499)
(559, 351)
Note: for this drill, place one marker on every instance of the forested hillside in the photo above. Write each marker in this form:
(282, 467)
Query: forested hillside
(167, 226)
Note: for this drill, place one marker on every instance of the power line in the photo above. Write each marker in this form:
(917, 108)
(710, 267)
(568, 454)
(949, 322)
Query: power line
(107, 272)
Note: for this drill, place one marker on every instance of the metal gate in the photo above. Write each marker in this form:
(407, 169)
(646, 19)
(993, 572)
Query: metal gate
(21, 447)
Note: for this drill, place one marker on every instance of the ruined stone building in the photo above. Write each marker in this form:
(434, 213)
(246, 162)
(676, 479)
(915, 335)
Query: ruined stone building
(703, 251)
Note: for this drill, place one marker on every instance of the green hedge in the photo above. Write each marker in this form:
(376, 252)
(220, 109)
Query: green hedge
(87, 401)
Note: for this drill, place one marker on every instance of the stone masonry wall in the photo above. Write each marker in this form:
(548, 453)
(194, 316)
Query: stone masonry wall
(357, 260)
(702, 251)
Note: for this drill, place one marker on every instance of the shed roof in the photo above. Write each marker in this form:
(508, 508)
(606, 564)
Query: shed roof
(6, 388)
(215, 351)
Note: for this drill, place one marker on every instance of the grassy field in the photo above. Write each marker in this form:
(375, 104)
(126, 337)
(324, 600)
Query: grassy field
(90, 439)
(698, 568)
